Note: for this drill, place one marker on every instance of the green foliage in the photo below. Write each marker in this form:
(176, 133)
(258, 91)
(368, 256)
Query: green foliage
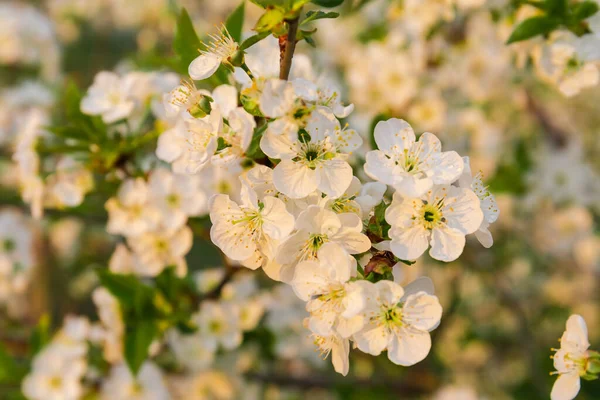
(557, 14)
(41, 335)
(315, 15)
(531, 27)
(328, 3)
(254, 152)
(150, 310)
(186, 42)
(235, 22)
(378, 227)
(269, 20)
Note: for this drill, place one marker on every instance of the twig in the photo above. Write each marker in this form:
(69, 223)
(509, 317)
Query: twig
(287, 45)
(557, 135)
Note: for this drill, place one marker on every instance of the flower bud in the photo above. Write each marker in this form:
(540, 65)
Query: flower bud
(237, 59)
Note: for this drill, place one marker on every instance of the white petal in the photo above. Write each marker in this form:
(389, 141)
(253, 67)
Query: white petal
(277, 222)
(339, 356)
(339, 264)
(309, 279)
(379, 167)
(447, 167)
(226, 97)
(422, 311)
(393, 135)
(409, 244)
(412, 185)
(409, 347)
(335, 177)
(372, 339)
(295, 180)
(566, 387)
(204, 66)
(447, 244)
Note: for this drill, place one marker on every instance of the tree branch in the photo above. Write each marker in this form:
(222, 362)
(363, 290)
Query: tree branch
(287, 45)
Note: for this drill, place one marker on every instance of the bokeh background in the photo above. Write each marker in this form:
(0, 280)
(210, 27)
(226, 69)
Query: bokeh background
(451, 74)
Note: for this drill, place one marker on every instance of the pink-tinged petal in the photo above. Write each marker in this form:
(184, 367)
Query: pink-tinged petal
(447, 244)
(393, 136)
(203, 66)
(409, 243)
(566, 387)
(295, 180)
(335, 177)
(409, 347)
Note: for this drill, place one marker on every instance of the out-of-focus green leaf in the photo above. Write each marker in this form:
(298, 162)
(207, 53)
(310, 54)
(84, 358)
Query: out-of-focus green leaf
(585, 10)
(138, 338)
(41, 335)
(531, 27)
(557, 8)
(131, 293)
(235, 22)
(328, 3)
(186, 43)
(314, 15)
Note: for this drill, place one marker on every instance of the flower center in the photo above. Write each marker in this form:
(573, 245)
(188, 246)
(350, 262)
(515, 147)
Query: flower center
(431, 215)
(312, 245)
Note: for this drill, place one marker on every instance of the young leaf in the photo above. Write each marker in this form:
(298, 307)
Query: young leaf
(314, 15)
(254, 152)
(585, 10)
(328, 3)
(128, 289)
(557, 8)
(269, 20)
(531, 27)
(186, 42)
(138, 338)
(235, 22)
(252, 40)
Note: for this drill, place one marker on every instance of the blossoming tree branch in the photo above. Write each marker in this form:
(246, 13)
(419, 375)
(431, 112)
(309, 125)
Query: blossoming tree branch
(245, 145)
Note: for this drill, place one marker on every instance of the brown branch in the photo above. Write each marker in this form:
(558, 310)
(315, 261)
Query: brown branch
(287, 45)
(554, 133)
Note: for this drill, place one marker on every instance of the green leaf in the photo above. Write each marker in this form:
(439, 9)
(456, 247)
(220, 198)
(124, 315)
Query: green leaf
(270, 19)
(235, 22)
(254, 151)
(314, 15)
(252, 40)
(131, 293)
(585, 10)
(138, 338)
(557, 8)
(186, 43)
(41, 335)
(328, 3)
(268, 3)
(531, 27)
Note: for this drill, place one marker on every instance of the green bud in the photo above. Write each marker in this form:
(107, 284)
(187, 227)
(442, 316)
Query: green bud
(204, 104)
(250, 105)
(593, 366)
(237, 59)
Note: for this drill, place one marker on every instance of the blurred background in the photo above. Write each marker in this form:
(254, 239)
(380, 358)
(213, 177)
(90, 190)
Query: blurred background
(447, 71)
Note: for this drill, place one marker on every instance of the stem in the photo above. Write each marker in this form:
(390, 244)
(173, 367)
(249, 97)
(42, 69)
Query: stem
(247, 71)
(287, 49)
